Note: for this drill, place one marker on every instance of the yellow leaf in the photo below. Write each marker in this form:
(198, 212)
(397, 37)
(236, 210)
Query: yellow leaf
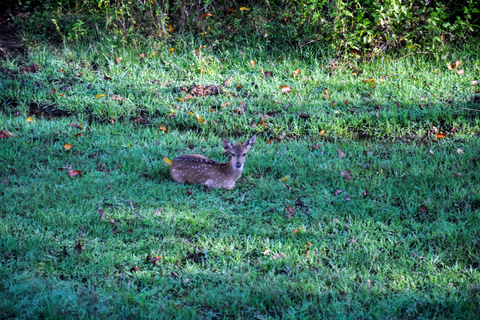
(296, 73)
(68, 146)
(295, 231)
(170, 28)
(284, 178)
(199, 119)
(252, 63)
(441, 135)
(171, 49)
(383, 172)
(322, 133)
(167, 161)
(243, 9)
(30, 119)
(100, 95)
(371, 80)
(191, 113)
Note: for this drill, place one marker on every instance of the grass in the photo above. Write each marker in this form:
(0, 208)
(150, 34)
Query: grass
(397, 236)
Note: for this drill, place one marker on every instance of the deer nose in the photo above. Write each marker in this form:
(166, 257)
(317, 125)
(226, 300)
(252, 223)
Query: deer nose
(238, 165)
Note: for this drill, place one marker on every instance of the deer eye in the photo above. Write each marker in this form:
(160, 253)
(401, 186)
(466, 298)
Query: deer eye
(244, 154)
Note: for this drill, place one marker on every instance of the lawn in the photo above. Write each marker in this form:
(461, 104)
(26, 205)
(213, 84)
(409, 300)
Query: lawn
(360, 198)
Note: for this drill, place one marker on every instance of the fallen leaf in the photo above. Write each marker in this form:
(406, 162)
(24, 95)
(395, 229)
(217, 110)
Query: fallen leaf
(225, 104)
(100, 95)
(341, 154)
(347, 197)
(204, 15)
(346, 226)
(423, 209)
(252, 63)
(370, 80)
(441, 135)
(285, 89)
(460, 151)
(199, 119)
(105, 77)
(164, 129)
(68, 146)
(284, 178)
(435, 130)
(325, 94)
(155, 260)
(243, 9)
(322, 133)
(170, 30)
(52, 92)
(335, 220)
(227, 82)
(474, 82)
(267, 73)
(431, 152)
(352, 241)
(346, 174)
(159, 212)
(316, 146)
(295, 231)
(99, 166)
(291, 212)
(365, 193)
(262, 122)
(73, 173)
(296, 73)
(265, 251)
(101, 212)
(78, 134)
(456, 174)
(337, 192)
(172, 49)
(117, 61)
(189, 192)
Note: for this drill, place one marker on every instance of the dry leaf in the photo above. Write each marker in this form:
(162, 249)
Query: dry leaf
(262, 122)
(52, 92)
(73, 173)
(325, 94)
(100, 95)
(322, 133)
(296, 73)
(291, 212)
(285, 89)
(295, 231)
(346, 174)
(243, 9)
(189, 192)
(204, 15)
(117, 61)
(423, 209)
(284, 178)
(341, 154)
(441, 135)
(78, 134)
(459, 151)
(252, 63)
(68, 146)
(170, 29)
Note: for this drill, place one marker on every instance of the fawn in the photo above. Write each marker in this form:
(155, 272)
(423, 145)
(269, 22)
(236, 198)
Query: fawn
(197, 169)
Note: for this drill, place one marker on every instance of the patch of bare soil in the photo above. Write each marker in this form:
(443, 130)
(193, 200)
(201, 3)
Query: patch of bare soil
(10, 43)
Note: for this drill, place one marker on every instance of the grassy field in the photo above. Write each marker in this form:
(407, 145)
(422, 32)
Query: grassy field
(345, 210)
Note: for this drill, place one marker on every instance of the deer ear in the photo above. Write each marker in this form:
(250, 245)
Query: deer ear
(227, 144)
(251, 142)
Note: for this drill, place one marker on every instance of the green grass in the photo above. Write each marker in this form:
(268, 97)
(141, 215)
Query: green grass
(404, 243)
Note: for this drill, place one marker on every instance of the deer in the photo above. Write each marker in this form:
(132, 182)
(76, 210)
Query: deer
(197, 169)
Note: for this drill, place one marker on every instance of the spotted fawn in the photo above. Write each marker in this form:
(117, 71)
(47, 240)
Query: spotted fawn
(197, 169)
